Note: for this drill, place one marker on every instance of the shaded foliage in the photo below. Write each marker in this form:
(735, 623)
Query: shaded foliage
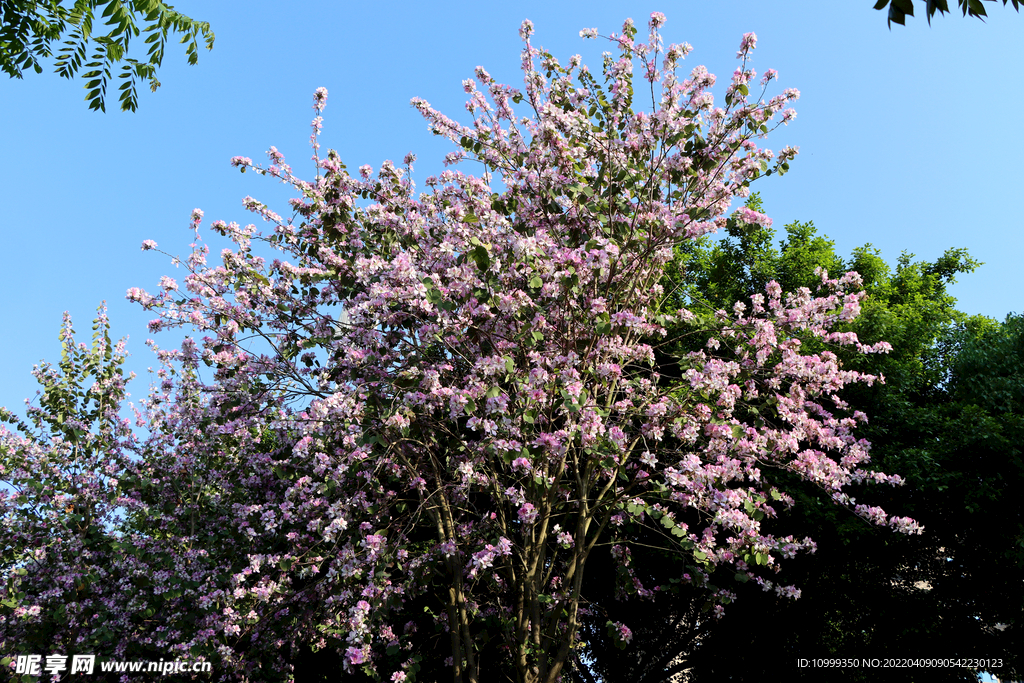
(899, 10)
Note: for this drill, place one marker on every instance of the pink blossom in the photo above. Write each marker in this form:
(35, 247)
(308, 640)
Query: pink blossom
(319, 99)
(356, 655)
(748, 43)
(528, 513)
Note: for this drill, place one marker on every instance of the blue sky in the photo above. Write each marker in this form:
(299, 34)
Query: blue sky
(908, 137)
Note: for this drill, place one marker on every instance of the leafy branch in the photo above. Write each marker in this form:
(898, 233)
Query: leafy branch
(30, 28)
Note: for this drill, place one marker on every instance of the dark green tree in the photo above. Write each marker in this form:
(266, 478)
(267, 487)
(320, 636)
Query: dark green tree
(955, 592)
(948, 419)
(96, 34)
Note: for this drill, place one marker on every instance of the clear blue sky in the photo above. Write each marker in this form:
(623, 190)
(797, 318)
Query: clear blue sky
(909, 138)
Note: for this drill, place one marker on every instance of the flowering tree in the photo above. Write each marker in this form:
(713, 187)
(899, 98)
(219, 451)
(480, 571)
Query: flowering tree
(424, 419)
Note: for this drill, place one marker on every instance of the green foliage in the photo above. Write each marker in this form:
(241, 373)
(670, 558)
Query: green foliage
(899, 10)
(30, 27)
(949, 418)
(989, 371)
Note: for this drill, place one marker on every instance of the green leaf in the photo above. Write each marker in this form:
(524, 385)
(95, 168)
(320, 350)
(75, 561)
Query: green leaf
(482, 258)
(536, 282)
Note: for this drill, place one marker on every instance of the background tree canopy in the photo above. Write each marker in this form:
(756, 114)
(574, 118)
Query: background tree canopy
(949, 418)
(30, 27)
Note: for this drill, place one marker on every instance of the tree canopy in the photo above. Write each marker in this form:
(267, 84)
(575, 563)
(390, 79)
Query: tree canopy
(96, 34)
